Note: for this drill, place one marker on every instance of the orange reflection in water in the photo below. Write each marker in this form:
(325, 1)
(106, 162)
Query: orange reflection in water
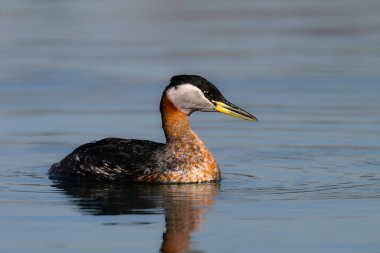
(184, 205)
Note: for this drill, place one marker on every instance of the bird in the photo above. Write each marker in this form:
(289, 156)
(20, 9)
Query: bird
(184, 158)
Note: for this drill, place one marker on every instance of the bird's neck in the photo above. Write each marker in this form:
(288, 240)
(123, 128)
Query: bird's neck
(185, 148)
(175, 123)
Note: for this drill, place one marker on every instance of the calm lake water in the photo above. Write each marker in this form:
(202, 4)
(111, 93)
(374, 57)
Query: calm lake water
(306, 178)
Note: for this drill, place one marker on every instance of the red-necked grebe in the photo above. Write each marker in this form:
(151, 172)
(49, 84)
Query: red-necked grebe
(184, 158)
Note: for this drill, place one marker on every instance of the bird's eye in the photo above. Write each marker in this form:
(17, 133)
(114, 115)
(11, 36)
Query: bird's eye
(206, 93)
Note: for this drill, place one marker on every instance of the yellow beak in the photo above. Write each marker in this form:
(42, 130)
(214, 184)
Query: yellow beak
(232, 110)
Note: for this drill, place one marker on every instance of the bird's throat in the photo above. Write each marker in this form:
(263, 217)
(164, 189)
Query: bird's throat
(174, 122)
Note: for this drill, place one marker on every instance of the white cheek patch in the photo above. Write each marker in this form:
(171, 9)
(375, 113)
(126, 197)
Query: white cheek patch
(188, 98)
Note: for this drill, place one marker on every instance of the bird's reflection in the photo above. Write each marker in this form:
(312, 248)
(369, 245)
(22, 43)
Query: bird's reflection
(184, 205)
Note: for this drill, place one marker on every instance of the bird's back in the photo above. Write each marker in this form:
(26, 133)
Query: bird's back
(107, 159)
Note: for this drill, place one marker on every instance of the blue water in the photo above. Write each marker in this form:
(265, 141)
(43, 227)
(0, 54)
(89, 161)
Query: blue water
(306, 178)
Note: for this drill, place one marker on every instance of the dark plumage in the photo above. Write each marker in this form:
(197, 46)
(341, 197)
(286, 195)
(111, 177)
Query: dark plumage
(107, 159)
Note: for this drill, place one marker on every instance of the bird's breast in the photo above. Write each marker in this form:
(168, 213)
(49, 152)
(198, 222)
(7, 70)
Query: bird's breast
(187, 161)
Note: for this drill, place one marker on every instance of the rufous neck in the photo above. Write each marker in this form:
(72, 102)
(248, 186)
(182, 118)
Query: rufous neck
(174, 122)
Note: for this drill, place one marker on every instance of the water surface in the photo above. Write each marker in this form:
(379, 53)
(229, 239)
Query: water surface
(306, 178)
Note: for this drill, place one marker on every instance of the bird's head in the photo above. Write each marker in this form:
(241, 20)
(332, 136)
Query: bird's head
(190, 93)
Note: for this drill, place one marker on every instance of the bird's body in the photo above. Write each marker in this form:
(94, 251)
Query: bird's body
(184, 158)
